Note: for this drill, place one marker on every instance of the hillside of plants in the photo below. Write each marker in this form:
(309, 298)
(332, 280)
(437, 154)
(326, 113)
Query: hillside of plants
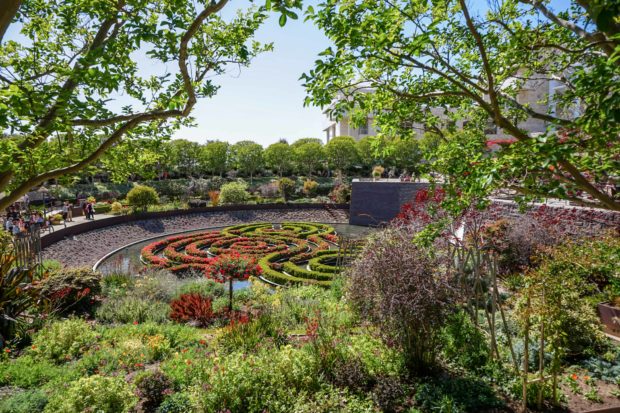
(501, 319)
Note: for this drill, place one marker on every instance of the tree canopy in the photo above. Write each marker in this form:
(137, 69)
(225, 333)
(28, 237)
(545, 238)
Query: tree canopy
(437, 63)
(82, 77)
(215, 157)
(248, 157)
(279, 157)
(341, 153)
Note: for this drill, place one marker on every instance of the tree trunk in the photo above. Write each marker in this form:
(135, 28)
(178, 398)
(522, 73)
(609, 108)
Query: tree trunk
(8, 10)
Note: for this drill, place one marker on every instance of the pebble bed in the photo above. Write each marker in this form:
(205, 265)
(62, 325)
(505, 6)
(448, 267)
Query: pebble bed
(87, 248)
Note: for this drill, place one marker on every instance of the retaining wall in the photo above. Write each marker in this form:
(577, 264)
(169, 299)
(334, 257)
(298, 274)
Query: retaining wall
(60, 234)
(375, 203)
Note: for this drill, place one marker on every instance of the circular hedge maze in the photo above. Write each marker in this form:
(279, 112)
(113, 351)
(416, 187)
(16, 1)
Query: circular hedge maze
(293, 253)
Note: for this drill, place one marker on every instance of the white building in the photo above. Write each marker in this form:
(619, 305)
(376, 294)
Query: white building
(533, 93)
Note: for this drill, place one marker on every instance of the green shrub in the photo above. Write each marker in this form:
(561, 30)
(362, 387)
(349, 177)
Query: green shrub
(31, 401)
(116, 208)
(117, 284)
(131, 309)
(310, 187)
(28, 372)
(95, 393)
(141, 197)
(175, 403)
(203, 286)
(63, 340)
(103, 207)
(329, 400)
(234, 193)
(286, 187)
(463, 343)
(51, 265)
(266, 381)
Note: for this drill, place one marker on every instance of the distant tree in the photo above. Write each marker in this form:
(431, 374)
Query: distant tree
(367, 150)
(341, 153)
(308, 155)
(405, 154)
(248, 157)
(279, 157)
(215, 156)
(186, 156)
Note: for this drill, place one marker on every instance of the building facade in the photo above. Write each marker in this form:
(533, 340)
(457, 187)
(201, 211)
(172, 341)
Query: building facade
(537, 93)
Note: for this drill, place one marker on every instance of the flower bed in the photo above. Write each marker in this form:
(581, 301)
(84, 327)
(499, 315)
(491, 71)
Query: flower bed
(278, 250)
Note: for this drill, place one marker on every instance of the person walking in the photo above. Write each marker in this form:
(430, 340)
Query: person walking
(90, 211)
(65, 211)
(69, 211)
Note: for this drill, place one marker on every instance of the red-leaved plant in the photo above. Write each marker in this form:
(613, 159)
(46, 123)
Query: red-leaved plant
(192, 308)
(234, 266)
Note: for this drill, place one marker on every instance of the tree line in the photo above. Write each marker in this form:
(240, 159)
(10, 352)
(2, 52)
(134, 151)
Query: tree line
(306, 156)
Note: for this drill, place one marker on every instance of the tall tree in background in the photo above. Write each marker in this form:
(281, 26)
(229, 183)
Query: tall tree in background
(248, 157)
(186, 156)
(341, 153)
(477, 65)
(308, 155)
(215, 157)
(72, 74)
(279, 157)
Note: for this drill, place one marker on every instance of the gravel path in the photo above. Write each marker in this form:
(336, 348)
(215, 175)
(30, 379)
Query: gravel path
(87, 248)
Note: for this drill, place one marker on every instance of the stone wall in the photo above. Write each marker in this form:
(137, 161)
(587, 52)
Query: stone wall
(376, 203)
(574, 220)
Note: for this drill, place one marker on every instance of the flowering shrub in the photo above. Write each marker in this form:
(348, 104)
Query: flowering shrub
(70, 290)
(310, 187)
(192, 308)
(236, 266)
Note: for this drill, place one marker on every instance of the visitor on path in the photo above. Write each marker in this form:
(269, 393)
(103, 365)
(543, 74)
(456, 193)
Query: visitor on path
(8, 224)
(65, 211)
(16, 227)
(69, 211)
(84, 209)
(90, 211)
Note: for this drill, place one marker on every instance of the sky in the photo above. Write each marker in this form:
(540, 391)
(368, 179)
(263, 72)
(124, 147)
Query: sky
(264, 102)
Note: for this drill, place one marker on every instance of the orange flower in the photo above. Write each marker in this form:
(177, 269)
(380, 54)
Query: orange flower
(586, 378)
(574, 376)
